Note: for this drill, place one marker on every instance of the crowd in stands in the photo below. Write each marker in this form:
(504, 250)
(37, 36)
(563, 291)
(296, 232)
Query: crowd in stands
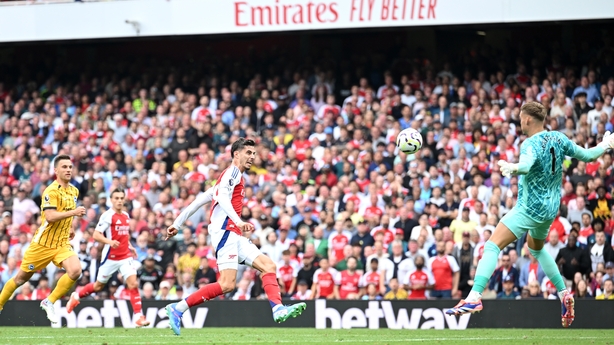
(344, 214)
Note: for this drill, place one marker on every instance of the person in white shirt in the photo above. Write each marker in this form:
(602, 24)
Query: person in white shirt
(553, 245)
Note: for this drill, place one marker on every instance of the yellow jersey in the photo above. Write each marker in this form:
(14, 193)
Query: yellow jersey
(55, 197)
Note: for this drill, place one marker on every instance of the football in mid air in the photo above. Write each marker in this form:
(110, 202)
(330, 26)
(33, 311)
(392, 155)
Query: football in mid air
(409, 141)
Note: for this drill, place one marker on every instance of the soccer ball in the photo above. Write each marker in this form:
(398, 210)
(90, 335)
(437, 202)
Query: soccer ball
(409, 141)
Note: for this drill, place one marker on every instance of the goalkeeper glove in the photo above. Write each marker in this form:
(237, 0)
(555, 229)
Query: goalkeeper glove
(607, 142)
(507, 169)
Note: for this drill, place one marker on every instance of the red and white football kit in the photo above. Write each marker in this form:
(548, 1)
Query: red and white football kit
(419, 277)
(326, 280)
(115, 226)
(349, 283)
(231, 247)
(287, 273)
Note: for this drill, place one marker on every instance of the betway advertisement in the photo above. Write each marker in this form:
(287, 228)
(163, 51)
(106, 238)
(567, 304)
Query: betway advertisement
(38, 21)
(320, 314)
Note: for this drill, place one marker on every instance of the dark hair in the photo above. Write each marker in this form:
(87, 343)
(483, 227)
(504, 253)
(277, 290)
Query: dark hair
(59, 158)
(118, 190)
(239, 144)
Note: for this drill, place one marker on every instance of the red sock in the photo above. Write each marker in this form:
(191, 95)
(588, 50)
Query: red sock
(87, 290)
(135, 300)
(271, 288)
(210, 291)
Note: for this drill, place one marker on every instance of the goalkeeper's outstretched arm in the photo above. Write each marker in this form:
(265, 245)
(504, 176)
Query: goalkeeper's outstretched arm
(589, 155)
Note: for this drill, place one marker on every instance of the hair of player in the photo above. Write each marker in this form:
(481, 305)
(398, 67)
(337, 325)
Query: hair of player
(239, 144)
(59, 158)
(117, 190)
(535, 110)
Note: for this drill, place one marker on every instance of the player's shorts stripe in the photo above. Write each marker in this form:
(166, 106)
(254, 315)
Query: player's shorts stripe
(225, 223)
(105, 258)
(222, 242)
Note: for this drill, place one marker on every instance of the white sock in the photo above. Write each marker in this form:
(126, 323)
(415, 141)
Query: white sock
(562, 294)
(76, 295)
(138, 315)
(275, 308)
(473, 296)
(182, 306)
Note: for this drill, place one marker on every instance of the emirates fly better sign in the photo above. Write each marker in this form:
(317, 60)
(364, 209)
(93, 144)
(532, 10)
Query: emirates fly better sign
(37, 21)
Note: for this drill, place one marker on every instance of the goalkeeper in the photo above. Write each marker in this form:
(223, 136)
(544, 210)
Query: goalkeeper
(539, 198)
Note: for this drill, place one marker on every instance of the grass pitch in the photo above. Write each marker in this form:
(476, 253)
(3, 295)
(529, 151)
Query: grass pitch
(109, 336)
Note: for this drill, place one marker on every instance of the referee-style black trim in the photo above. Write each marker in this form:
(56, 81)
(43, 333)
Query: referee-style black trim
(50, 208)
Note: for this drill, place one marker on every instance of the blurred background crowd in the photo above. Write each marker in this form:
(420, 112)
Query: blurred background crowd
(344, 214)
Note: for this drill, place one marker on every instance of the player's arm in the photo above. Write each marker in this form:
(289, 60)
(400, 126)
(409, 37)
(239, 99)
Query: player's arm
(588, 155)
(102, 226)
(50, 206)
(527, 158)
(200, 201)
(193, 207)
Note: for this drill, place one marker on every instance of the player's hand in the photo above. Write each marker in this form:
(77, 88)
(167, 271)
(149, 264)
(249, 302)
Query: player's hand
(574, 262)
(80, 211)
(245, 226)
(133, 251)
(607, 142)
(561, 261)
(71, 236)
(170, 232)
(114, 244)
(507, 169)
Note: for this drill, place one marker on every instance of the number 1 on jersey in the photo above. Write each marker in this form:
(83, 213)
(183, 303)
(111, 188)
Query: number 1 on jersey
(553, 159)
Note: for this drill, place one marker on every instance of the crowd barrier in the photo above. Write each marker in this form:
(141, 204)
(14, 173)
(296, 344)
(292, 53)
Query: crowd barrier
(321, 314)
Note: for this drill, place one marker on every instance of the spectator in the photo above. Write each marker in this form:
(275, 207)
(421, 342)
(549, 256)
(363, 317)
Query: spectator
(419, 281)
(531, 272)
(302, 291)
(575, 215)
(581, 291)
(445, 272)
(462, 225)
(609, 271)
(507, 291)
(600, 252)
(395, 293)
(463, 254)
(373, 276)
(608, 290)
(505, 270)
(372, 293)
(601, 205)
(149, 273)
(362, 236)
(348, 253)
(164, 292)
(287, 272)
(573, 259)
(243, 291)
(553, 246)
(148, 292)
(534, 290)
(43, 290)
(326, 282)
(349, 280)
(187, 285)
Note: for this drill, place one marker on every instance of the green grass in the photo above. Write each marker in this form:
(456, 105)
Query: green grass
(106, 336)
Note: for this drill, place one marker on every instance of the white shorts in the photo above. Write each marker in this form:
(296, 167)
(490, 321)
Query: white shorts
(232, 249)
(106, 270)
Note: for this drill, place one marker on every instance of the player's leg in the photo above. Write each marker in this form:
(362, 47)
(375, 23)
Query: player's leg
(132, 286)
(502, 237)
(12, 284)
(68, 260)
(552, 271)
(105, 271)
(250, 255)
(226, 252)
(35, 258)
